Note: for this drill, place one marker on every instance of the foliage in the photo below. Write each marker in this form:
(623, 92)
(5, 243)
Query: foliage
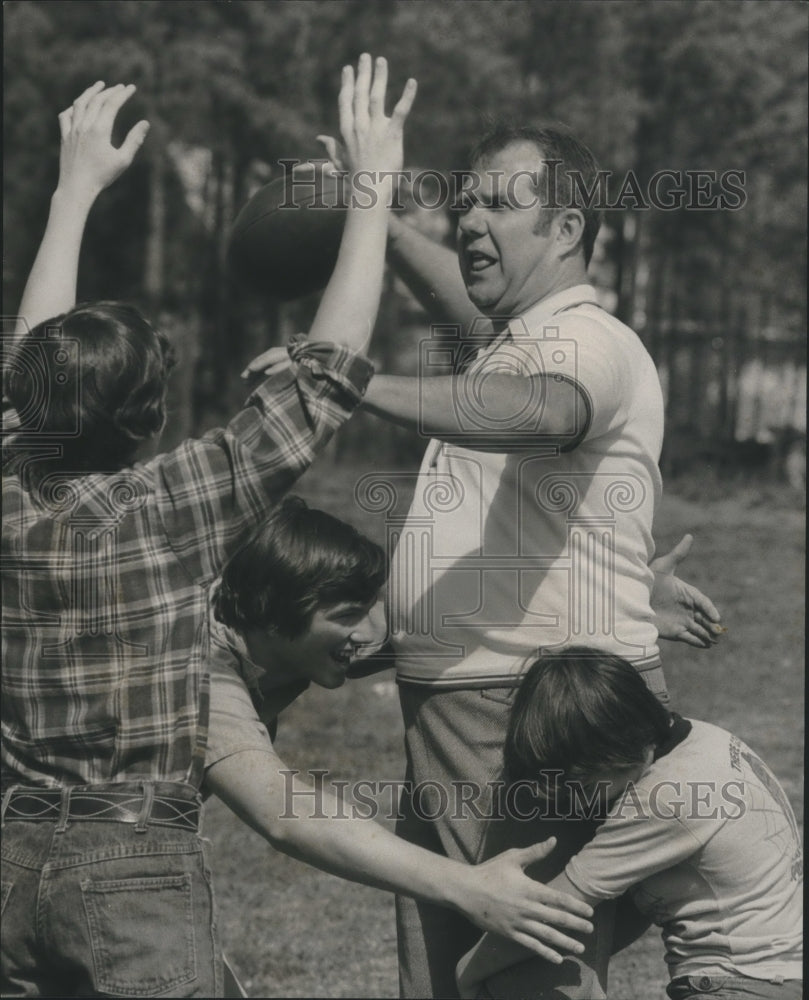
(689, 84)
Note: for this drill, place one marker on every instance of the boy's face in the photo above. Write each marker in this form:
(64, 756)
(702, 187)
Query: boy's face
(323, 653)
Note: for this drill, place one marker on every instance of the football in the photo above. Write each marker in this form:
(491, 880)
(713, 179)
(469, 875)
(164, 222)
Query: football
(284, 242)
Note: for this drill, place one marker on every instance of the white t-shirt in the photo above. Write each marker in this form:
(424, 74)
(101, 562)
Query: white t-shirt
(504, 555)
(709, 842)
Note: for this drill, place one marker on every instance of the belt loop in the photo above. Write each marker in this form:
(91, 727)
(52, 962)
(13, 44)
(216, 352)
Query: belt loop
(64, 809)
(145, 809)
(6, 799)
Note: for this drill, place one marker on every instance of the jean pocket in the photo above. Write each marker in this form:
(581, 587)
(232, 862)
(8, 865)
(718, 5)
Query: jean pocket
(5, 892)
(141, 933)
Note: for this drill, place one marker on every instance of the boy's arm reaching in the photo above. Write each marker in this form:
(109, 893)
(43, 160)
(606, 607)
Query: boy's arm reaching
(429, 269)
(497, 895)
(88, 163)
(243, 770)
(374, 152)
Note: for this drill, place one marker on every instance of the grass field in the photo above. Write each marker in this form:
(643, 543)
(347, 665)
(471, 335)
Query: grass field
(292, 931)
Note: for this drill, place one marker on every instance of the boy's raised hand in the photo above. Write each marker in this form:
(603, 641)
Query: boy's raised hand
(371, 141)
(88, 161)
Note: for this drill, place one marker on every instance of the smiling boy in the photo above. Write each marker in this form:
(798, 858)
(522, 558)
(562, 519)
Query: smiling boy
(295, 606)
(298, 603)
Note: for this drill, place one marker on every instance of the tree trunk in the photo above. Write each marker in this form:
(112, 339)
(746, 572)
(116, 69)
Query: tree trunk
(154, 269)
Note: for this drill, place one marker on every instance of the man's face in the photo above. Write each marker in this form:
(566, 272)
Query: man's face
(323, 653)
(506, 261)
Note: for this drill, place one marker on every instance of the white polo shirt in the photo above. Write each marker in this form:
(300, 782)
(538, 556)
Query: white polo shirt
(506, 555)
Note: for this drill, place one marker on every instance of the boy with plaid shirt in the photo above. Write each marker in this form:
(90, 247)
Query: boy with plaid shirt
(105, 577)
(107, 564)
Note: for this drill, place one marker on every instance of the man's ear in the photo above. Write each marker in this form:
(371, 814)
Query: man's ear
(569, 231)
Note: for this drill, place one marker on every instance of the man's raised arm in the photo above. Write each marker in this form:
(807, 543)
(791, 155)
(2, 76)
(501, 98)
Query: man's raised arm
(430, 270)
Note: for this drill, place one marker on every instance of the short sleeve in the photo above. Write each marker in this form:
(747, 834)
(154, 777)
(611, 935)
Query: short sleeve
(640, 837)
(590, 356)
(234, 724)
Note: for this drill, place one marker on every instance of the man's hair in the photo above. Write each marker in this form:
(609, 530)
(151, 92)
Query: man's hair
(581, 712)
(95, 378)
(553, 142)
(300, 559)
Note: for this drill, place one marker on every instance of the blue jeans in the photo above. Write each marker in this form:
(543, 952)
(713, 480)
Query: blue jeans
(733, 988)
(102, 909)
(458, 736)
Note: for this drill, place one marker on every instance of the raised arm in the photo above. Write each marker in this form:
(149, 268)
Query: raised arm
(374, 147)
(429, 269)
(373, 153)
(431, 272)
(88, 163)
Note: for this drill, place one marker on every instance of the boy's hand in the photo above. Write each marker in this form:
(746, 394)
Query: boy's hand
(371, 141)
(271, 362)
(88, 161)
(500, 897)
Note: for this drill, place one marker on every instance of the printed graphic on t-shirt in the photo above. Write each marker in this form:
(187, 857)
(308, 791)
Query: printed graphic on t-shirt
(782, 827)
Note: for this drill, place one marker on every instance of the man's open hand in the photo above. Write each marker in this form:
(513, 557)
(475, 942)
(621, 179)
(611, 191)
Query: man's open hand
(682, 612)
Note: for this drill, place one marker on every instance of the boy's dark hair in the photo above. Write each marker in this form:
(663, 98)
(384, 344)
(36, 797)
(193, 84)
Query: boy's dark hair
(300, 559)
(581, 711)
(101, 398)
(553, 142)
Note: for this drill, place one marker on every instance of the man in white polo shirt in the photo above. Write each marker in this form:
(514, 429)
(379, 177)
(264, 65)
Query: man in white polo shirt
(531, 524)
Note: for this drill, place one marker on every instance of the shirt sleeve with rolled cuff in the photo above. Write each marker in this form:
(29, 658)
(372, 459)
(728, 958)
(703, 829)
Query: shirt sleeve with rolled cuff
(105, 580)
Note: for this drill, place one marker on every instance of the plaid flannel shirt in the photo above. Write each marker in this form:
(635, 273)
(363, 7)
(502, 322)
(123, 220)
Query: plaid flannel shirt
(105, 581)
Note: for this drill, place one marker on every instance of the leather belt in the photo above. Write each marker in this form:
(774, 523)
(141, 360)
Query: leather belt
(136, 807)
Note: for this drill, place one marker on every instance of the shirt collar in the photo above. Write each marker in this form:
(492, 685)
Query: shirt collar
(537, 314)
(233, 641)
(679, 729)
